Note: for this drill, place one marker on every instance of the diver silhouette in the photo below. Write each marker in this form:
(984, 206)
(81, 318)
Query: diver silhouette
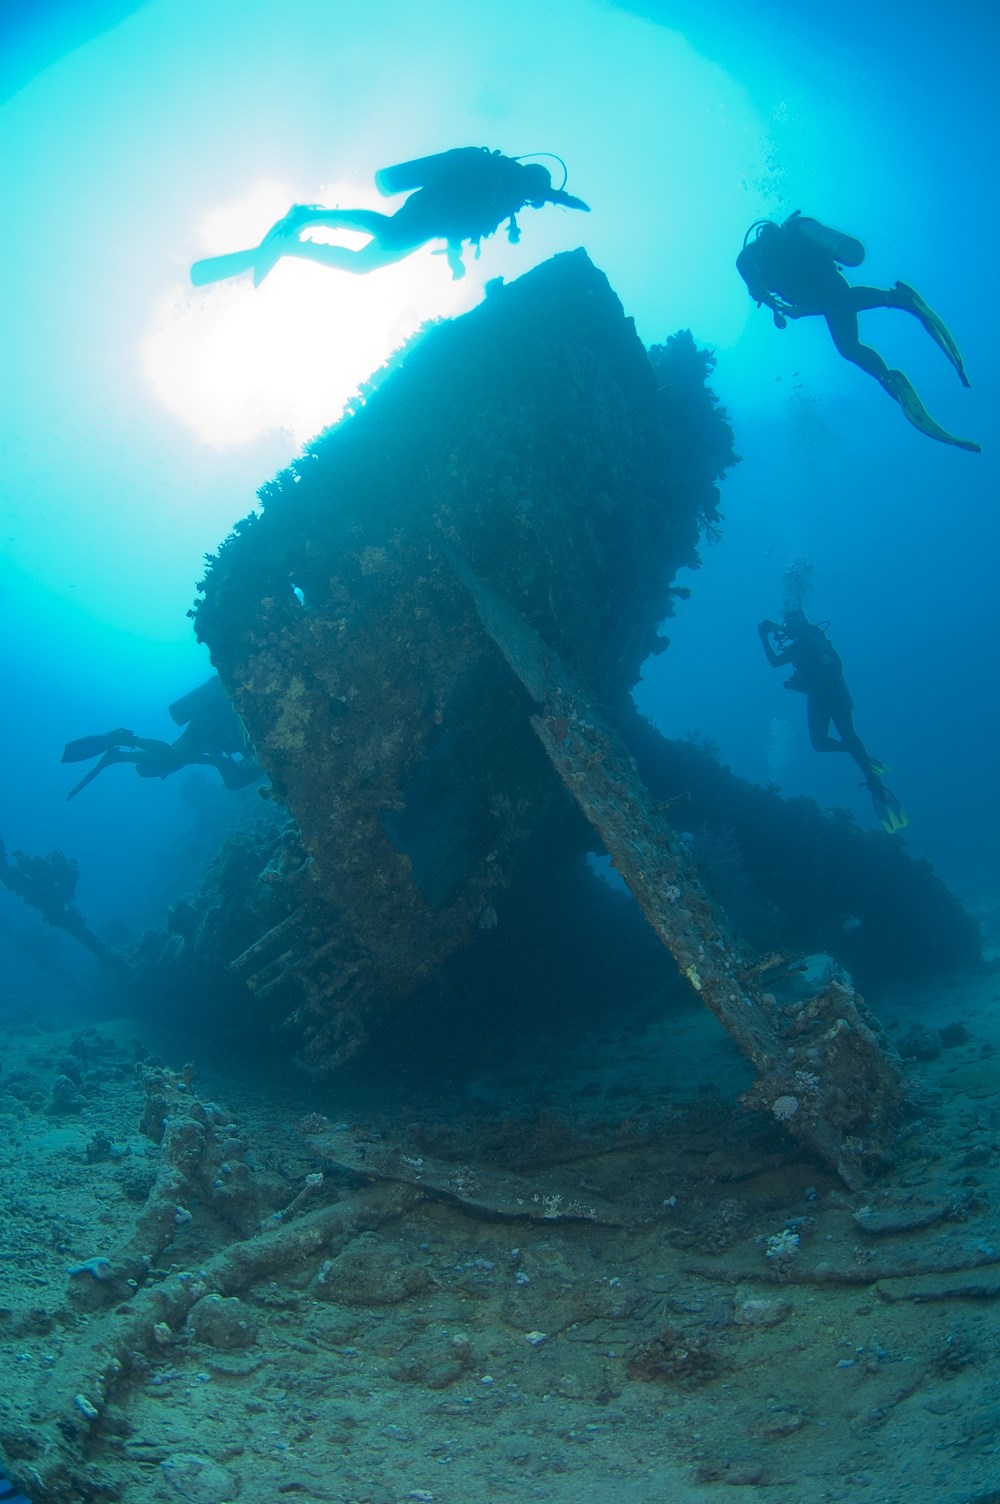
(819, 675)
(461, 197)
(213, 736)
(794, 269)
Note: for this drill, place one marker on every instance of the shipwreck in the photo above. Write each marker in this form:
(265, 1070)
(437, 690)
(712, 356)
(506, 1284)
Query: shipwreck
(431, 630)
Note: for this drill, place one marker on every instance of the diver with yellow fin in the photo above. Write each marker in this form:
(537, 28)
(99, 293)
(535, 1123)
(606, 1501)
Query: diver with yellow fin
(794, 269)
(819, 675)
(459, 196)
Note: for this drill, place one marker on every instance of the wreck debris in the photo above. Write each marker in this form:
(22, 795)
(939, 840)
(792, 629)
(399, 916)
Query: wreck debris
(202, 1165)
(482, 1191)
(107, 1358)
(828, 1048)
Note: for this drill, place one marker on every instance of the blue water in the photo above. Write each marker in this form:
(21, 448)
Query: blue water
(125, 131)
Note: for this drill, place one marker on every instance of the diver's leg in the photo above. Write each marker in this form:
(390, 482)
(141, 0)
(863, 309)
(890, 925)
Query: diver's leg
(842, 322)
(818, 718)
(139, 754)
(367, 221)
(393, 236)
(282, 238)
(905, 297)
(851, 743)
(863, 298)
(237, 774)
(149, 745)
(368, 259)
(887, 807)
(889, 810)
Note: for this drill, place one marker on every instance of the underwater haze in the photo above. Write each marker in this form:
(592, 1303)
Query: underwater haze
(140, 415)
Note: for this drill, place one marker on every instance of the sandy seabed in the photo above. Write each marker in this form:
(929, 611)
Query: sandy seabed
(550, 1283)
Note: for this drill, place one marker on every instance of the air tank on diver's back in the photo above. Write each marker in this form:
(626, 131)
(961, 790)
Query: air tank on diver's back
(844, 249)
(424, 172)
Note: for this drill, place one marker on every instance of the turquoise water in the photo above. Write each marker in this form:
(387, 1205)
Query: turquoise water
(155, 140)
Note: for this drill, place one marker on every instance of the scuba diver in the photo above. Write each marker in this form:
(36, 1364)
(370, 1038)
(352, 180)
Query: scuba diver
(461, 196)
(819, 675)
(213, 736)
(794, 268)
(48, 884)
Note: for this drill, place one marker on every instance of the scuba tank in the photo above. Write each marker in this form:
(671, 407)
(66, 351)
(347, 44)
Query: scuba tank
(199, 701)
(424, 172)
(844, 249)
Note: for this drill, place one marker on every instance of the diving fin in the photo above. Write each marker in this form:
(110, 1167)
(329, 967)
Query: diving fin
(218, 268)
(899, 388)
(271, 248)
(111, 756)
(891, 813)
(269, 253)
(259, 259)
(92, 746)
(936, 328)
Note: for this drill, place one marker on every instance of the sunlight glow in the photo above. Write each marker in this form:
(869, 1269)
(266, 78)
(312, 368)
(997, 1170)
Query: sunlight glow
(233, 362)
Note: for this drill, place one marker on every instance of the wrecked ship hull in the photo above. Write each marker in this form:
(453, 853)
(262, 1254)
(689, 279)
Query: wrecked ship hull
(431, 632)
(534, 438)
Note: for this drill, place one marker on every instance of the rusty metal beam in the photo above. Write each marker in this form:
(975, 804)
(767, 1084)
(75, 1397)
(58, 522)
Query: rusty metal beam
(820, 1064)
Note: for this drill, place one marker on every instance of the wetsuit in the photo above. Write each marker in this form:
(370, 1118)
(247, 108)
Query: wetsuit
(819, 675)
(214, 736)
(796, 278)
(471, 191)
(794, 274)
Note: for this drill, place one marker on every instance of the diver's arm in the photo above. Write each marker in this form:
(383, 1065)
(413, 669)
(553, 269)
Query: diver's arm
(776, 660)
(756, 287)
(781, 310)
(568, 200)
(779, 307)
